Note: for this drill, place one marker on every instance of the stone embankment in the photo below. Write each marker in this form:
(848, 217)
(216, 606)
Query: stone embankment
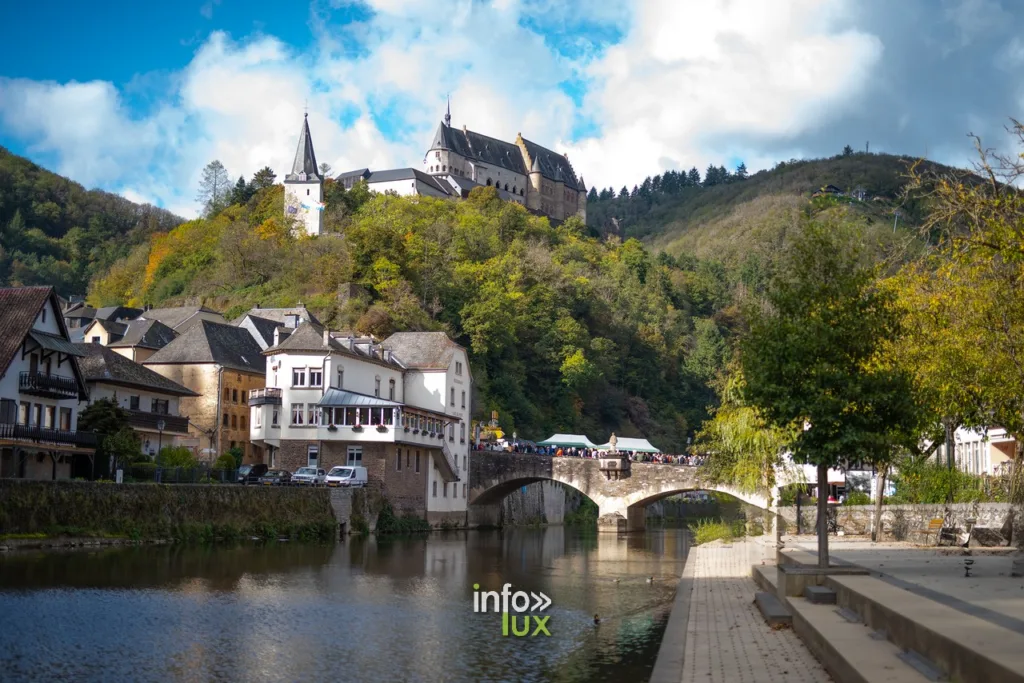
(37, 509)
(901, 522)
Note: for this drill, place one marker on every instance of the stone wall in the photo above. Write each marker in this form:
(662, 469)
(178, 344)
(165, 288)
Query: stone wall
(541, 502)
(900, 522)
(153, 510)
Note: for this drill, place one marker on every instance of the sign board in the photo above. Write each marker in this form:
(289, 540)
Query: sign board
(119, 476)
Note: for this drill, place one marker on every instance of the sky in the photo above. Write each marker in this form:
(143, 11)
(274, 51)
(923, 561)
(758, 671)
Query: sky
(136, 98)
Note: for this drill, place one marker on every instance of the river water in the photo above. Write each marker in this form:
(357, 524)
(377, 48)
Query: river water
(366, 609)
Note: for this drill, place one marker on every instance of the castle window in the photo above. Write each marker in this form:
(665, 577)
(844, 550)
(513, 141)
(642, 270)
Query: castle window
(521, 192)
(514, 190)
(307, 192)
(488, 182)
(444, 168)
(506, 187)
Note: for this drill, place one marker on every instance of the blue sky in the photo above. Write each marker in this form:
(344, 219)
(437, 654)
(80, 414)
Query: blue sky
(136, 97)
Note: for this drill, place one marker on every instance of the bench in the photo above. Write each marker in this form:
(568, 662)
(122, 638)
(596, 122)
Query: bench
(934, 527)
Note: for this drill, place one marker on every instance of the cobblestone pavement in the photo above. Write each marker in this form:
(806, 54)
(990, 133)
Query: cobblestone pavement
(727, 640)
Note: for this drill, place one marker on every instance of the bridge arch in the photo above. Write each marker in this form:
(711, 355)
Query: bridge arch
(495, 474)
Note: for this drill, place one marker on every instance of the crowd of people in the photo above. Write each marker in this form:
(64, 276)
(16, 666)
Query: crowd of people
(593, 453)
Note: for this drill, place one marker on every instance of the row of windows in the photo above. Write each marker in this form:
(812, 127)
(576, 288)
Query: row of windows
(444, 169)
(235, 422)
(408, 460)
(39, 415)
(453, 397)
(235, 396)
(354, 456)
(313, 378)
(514, 190)
(455, 489)
(311, 414)
(160, 406)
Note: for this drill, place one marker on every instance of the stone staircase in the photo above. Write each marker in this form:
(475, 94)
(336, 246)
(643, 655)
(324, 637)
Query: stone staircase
(866, 630)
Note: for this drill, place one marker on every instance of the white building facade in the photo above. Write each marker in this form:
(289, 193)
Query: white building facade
(333, 401)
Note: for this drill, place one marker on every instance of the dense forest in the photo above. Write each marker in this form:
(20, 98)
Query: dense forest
(570, 327)
(55, 232)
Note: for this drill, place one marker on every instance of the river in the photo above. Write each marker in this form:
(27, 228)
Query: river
(366, 609)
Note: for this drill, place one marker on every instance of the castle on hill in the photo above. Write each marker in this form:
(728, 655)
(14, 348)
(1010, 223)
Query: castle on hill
(458, 160)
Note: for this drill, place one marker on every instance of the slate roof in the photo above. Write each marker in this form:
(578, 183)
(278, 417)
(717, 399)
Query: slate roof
(480, 147)
(175, 316)
(304, 166)
(114, 313)
(114, 329)
(102, 364)
(422, 350)
(407, 174)
(553, 166)
(19, 307)
(278, 315)
(309, 338)
(264, 328)
(147, 334)
(209, 342)
(80, 310)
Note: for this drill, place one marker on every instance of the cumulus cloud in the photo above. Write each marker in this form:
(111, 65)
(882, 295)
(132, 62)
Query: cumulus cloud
(627, 90)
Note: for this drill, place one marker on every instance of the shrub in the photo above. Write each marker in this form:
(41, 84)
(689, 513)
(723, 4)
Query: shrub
(857, 498)
(225, 462)
(926, 482)
(388, 523)
(143, 471)
(707, 530)
(177, 456)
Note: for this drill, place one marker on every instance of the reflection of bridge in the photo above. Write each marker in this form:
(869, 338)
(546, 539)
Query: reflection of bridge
(493, 475)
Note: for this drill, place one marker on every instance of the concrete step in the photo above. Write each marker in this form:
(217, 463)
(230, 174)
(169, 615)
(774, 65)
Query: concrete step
(969, 649)
(848, 650)
(772, 609)
(820, 595)
(766, 576)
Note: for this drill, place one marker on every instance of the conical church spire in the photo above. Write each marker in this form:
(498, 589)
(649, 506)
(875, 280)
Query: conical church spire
(448, 114)
(304, 168)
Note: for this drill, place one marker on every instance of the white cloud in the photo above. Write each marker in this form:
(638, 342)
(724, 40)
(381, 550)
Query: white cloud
(689, 76)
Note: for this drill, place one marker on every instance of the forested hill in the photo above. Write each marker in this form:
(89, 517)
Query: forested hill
(715, 213)
(55, 232)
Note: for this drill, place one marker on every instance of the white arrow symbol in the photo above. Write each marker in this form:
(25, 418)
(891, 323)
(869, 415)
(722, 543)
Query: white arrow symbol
(541, 602)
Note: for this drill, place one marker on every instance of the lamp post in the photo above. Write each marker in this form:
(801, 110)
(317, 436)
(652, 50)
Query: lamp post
(160, 424)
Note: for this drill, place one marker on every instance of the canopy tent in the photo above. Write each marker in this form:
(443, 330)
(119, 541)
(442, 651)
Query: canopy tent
(626, 444)
(568, 440)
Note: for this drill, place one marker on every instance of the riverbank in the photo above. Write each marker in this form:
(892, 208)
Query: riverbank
(68, 512)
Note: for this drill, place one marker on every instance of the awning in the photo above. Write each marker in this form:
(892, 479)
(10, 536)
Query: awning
(568, 440)
(339, 398)
(52, 342)
(627, 444)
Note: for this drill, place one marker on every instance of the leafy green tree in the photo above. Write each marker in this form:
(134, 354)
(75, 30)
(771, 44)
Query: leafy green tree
(177, 456)
(811, 358)
(213, 188)
(263, 178)
(325, 169)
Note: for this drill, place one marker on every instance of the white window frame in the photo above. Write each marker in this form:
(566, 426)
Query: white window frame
(319, 377)
(298, 374)
(313, 456)
(312, 414)
(298, 410)
(341, 377)
(354, 456)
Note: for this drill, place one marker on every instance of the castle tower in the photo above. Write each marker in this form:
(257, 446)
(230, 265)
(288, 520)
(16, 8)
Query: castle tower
(581, 202)
(558, 200)
(533, 194)
(304, 187)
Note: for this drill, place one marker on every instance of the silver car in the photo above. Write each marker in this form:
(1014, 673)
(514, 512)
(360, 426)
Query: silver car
(309, 476)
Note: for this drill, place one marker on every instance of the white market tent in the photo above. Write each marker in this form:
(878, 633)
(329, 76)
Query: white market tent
(627, 444)
(568, 440)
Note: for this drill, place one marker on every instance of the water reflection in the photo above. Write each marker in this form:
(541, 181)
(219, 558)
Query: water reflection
(366, 609)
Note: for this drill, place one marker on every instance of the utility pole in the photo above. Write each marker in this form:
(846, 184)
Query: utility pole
(894, 221)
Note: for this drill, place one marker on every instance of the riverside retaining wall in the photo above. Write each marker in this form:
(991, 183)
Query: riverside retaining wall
(159, 510)
(901, 522)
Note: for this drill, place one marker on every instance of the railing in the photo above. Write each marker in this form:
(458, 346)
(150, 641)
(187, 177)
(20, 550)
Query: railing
(50, 386)
(450, 459)
(144, 420)
(266, 396)
(65, 437)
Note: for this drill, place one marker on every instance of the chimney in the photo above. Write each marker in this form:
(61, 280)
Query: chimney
(291, 320)
(327, 337)
(351, 344)
(387, 355)
(464, 128)
(277, 336)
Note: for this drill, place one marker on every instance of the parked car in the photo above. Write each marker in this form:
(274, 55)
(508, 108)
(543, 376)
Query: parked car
(349, 475)
(276, 478)
(310, 476)
(250, 474)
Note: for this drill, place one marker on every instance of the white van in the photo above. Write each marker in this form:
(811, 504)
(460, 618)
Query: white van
(347, 475)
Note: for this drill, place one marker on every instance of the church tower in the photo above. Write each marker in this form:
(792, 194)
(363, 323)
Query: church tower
(304, 187)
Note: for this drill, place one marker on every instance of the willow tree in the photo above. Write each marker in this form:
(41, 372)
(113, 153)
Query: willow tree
(813, 358)
(742, 448)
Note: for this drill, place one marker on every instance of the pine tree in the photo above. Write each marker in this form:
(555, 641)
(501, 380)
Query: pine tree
(847, 151)
(592, 195)
(645, 188)
(711, 176)
(240, 192)
(741, 172)
(606, 194)
(624, 193)
(263, 178)
(693, 177)
(723, 175)
(656, 183)
(635, 193)
(213, 188)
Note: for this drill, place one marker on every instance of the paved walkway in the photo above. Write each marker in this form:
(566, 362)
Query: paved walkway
(727, 640)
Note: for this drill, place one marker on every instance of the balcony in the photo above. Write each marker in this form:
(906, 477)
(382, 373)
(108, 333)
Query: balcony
(48, 386)
(46, 435)
(270, 396)
(174, 424)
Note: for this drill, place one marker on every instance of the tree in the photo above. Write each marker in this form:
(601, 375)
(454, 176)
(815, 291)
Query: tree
(263, 178)
(592, 195)
(117, 441)
(325, 169)
(741, 172)
(847, 151)
(693, 177)
(213, 188)
(711, 176)
(812, 358)
(241, 192)
(624, 193)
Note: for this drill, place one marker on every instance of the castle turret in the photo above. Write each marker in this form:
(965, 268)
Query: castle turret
(303, 187)
(558, 200)
(535, 196)
(581, 201)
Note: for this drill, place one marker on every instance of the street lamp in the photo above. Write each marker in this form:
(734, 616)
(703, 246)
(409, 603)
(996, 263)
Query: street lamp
(160, 424)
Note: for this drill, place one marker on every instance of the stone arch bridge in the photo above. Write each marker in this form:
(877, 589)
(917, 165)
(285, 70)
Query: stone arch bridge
(495, 474)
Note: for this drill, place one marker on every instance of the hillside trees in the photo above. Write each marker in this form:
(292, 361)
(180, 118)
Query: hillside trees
(213, 188)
